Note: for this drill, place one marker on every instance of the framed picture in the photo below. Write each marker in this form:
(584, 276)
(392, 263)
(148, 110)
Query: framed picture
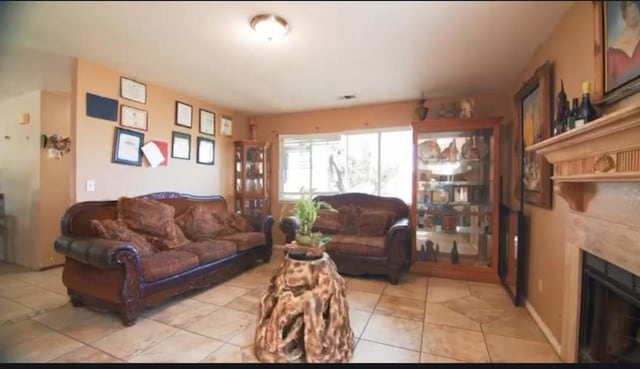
(183, 114)
(133, 118)
(533, 123)
(206, 151)
(226, 125)
(617, 56)
(207, 122)
(127, 146)
(133, 90)
(181, 145)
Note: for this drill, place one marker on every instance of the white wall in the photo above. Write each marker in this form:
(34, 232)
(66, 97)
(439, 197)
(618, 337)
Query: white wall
(20, 176)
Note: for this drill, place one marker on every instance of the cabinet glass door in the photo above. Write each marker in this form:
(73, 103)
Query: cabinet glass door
(254, 167)
(454, 197)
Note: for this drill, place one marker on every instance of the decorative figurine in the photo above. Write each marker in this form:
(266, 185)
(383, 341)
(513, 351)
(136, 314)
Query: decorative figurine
(466, 108)
(422, 110)
(430, 253)
(455, 256)
(437, 252)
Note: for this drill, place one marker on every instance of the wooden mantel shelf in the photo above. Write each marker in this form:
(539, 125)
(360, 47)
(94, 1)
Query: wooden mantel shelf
(604, 150)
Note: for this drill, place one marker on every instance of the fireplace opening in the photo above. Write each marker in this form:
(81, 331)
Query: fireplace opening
(610, 313)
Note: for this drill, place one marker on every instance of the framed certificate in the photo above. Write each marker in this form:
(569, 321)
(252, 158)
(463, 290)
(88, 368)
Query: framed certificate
(226, 124)
(133, 118)
(206, 151)
(133, 90)
(127, 147)
(183, 114)
(207, 122)
(181, 145)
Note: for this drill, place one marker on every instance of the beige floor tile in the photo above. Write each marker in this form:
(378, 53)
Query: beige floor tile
(358, 320)
(455, 343)
(437, 313)
(131, 341)
(431, 358)
(222, 294)
(86, 354)
(41, 349)
(397, 332)
(372, 285)
(11, 286)
(64, 316)
(410, 285)
(518, 324)
(483, 289)
(231, 354)
(43, 300)
(364, 301)
(250, 302)
(515, 350)
(10, 310)
(223, 324)
(475, 309)
(90, 326)
(400, 307)
(245, 337)
(441, 290)
(182, 312)
(373, 352)
(12, 334)
(181, 347)
(249, 280)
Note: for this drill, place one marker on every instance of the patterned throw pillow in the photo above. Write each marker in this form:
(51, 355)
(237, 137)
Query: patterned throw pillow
(231, 223)
(198, 224)
(328, 222)
(374, 223)
(117, 230)
(166, 243)
(147, 216)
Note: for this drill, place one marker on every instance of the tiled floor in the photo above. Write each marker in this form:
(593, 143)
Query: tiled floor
(419, 320)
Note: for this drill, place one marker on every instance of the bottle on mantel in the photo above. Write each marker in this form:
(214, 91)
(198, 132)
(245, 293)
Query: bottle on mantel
(573, 114)
(586, 112)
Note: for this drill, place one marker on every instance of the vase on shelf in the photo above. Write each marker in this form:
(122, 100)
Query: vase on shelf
(455, 256)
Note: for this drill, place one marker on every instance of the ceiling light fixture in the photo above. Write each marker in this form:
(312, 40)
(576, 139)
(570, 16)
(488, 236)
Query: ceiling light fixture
(269, 25)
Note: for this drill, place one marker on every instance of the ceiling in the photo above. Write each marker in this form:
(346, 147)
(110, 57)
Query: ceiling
(379, 51)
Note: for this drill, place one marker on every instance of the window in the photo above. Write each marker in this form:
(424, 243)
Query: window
(373, 162)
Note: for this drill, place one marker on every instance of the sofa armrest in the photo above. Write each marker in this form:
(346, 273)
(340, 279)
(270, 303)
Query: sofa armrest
(261, 223)
(98, 252)
(288, 226)
(398, 242)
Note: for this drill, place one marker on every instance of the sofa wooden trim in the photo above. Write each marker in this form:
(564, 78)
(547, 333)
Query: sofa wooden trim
(108, 274)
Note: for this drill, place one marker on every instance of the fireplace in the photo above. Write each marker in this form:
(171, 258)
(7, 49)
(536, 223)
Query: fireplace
(610, 313)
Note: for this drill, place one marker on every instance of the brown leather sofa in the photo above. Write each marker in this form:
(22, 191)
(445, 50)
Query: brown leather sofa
(128, 276)
(369, 234)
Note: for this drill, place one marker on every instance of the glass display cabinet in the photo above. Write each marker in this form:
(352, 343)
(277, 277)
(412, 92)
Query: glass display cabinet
(252, 162)
(456, 198)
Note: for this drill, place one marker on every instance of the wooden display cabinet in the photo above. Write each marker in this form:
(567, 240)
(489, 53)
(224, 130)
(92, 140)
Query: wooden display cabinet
(252, 182)
(455, 207)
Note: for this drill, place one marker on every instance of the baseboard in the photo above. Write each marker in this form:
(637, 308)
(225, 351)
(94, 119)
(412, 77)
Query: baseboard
(543, 327)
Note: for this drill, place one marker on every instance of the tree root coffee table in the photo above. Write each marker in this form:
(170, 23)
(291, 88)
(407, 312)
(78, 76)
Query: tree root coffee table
(304, 316)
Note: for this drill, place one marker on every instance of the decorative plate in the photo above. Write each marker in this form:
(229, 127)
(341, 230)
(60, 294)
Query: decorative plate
(428, 150)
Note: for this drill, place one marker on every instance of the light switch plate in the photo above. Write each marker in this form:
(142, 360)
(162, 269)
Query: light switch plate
(91, 185)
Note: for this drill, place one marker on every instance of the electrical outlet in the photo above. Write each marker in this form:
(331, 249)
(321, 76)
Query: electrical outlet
(91, 185)
(540, 285)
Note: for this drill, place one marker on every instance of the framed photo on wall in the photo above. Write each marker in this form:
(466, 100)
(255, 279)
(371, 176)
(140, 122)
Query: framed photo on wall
(127, 146)
(180, 145)
(206, 151)
(133, 118)
(184, 113)
(207, 122)
(617, 50)
(226, 123)
(133, 90)
(533, 123)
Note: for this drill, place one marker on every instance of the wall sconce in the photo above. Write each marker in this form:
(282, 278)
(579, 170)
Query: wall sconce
(58, 145)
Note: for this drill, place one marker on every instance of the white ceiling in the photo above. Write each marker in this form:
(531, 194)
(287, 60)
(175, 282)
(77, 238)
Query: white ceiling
(380, 51)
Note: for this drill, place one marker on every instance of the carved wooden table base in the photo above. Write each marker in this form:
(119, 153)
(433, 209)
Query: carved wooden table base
(304, 316)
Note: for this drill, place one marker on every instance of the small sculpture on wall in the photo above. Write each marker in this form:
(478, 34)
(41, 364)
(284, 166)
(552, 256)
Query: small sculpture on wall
(465, 108)
(422, 110)
(447, 111)
(58, 145)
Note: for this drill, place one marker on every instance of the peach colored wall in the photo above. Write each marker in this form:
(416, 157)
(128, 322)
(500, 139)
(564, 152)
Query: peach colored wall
(55, 177)
(94, 142)
(570, 48)
(399, 114)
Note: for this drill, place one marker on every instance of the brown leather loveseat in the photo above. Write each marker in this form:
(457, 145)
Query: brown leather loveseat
(133, 253)
(369, 234)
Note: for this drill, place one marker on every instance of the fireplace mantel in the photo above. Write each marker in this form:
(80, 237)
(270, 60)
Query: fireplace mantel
(604, 150)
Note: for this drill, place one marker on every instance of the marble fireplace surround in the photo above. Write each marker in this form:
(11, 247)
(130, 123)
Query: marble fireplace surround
(597, 171)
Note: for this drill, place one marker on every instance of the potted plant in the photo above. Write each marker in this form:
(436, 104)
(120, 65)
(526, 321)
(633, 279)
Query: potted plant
(306, 210)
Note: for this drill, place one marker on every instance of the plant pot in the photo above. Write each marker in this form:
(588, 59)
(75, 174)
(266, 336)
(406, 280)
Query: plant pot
(303, 239)
(304, 254)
